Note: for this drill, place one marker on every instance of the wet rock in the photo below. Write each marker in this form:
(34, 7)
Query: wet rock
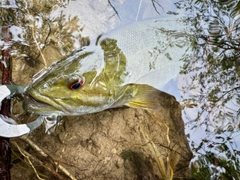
(122, 143)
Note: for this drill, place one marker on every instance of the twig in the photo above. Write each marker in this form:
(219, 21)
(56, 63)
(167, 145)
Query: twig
(161, 167)
(5, 149)
(45, 41)
(38, 161)
(109, 2)
(28, 159)
(40, 151)
(154, 2)
(35, 40)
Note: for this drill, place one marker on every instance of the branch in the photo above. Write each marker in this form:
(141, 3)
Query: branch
(109, 2)
(5, 149)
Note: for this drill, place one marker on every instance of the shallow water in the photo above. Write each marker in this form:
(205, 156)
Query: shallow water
(208, 87)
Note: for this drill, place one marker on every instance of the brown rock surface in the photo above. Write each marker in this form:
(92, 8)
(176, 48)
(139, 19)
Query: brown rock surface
(122, 143)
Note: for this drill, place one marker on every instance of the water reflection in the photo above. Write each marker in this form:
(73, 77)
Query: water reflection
(209, 90)
(213, 87)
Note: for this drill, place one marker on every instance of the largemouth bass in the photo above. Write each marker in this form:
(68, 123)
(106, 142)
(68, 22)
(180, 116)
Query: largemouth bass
(126, 66)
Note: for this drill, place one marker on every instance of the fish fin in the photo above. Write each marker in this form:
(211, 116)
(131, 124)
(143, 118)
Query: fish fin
(145, 97)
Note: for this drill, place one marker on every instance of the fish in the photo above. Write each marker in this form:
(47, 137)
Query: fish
(123, 67)
(128, 66)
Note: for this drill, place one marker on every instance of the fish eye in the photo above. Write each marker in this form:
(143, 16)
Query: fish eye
(76, 82)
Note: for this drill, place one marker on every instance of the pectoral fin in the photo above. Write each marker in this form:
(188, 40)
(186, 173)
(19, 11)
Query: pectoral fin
(144, 96)
(141, 96)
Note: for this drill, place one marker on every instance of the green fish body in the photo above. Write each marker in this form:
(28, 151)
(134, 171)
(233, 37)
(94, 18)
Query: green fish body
(126, 66)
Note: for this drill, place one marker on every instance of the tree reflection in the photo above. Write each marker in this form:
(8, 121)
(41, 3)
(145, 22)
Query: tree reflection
(39, 29)
(215, 75)
(217, 50)
(215, 69)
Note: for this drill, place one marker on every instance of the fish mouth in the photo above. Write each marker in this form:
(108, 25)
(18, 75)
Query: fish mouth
(37, 106)
(31, 100)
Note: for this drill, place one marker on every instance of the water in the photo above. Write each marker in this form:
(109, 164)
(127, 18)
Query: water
(208, 87)
(213, 86)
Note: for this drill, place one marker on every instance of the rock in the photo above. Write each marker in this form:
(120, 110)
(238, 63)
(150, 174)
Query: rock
(121, 143)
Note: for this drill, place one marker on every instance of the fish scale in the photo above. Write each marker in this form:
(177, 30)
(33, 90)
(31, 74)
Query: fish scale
(127, 66)
(124, 67)
(143, 44)
(145, 53)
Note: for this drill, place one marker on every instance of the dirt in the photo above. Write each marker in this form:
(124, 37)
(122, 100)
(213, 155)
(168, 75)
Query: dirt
(123, 143)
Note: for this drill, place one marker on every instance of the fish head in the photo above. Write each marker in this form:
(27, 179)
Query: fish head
(73, 86)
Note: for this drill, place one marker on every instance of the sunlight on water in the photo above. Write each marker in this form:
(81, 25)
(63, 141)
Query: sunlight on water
(208, 87)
